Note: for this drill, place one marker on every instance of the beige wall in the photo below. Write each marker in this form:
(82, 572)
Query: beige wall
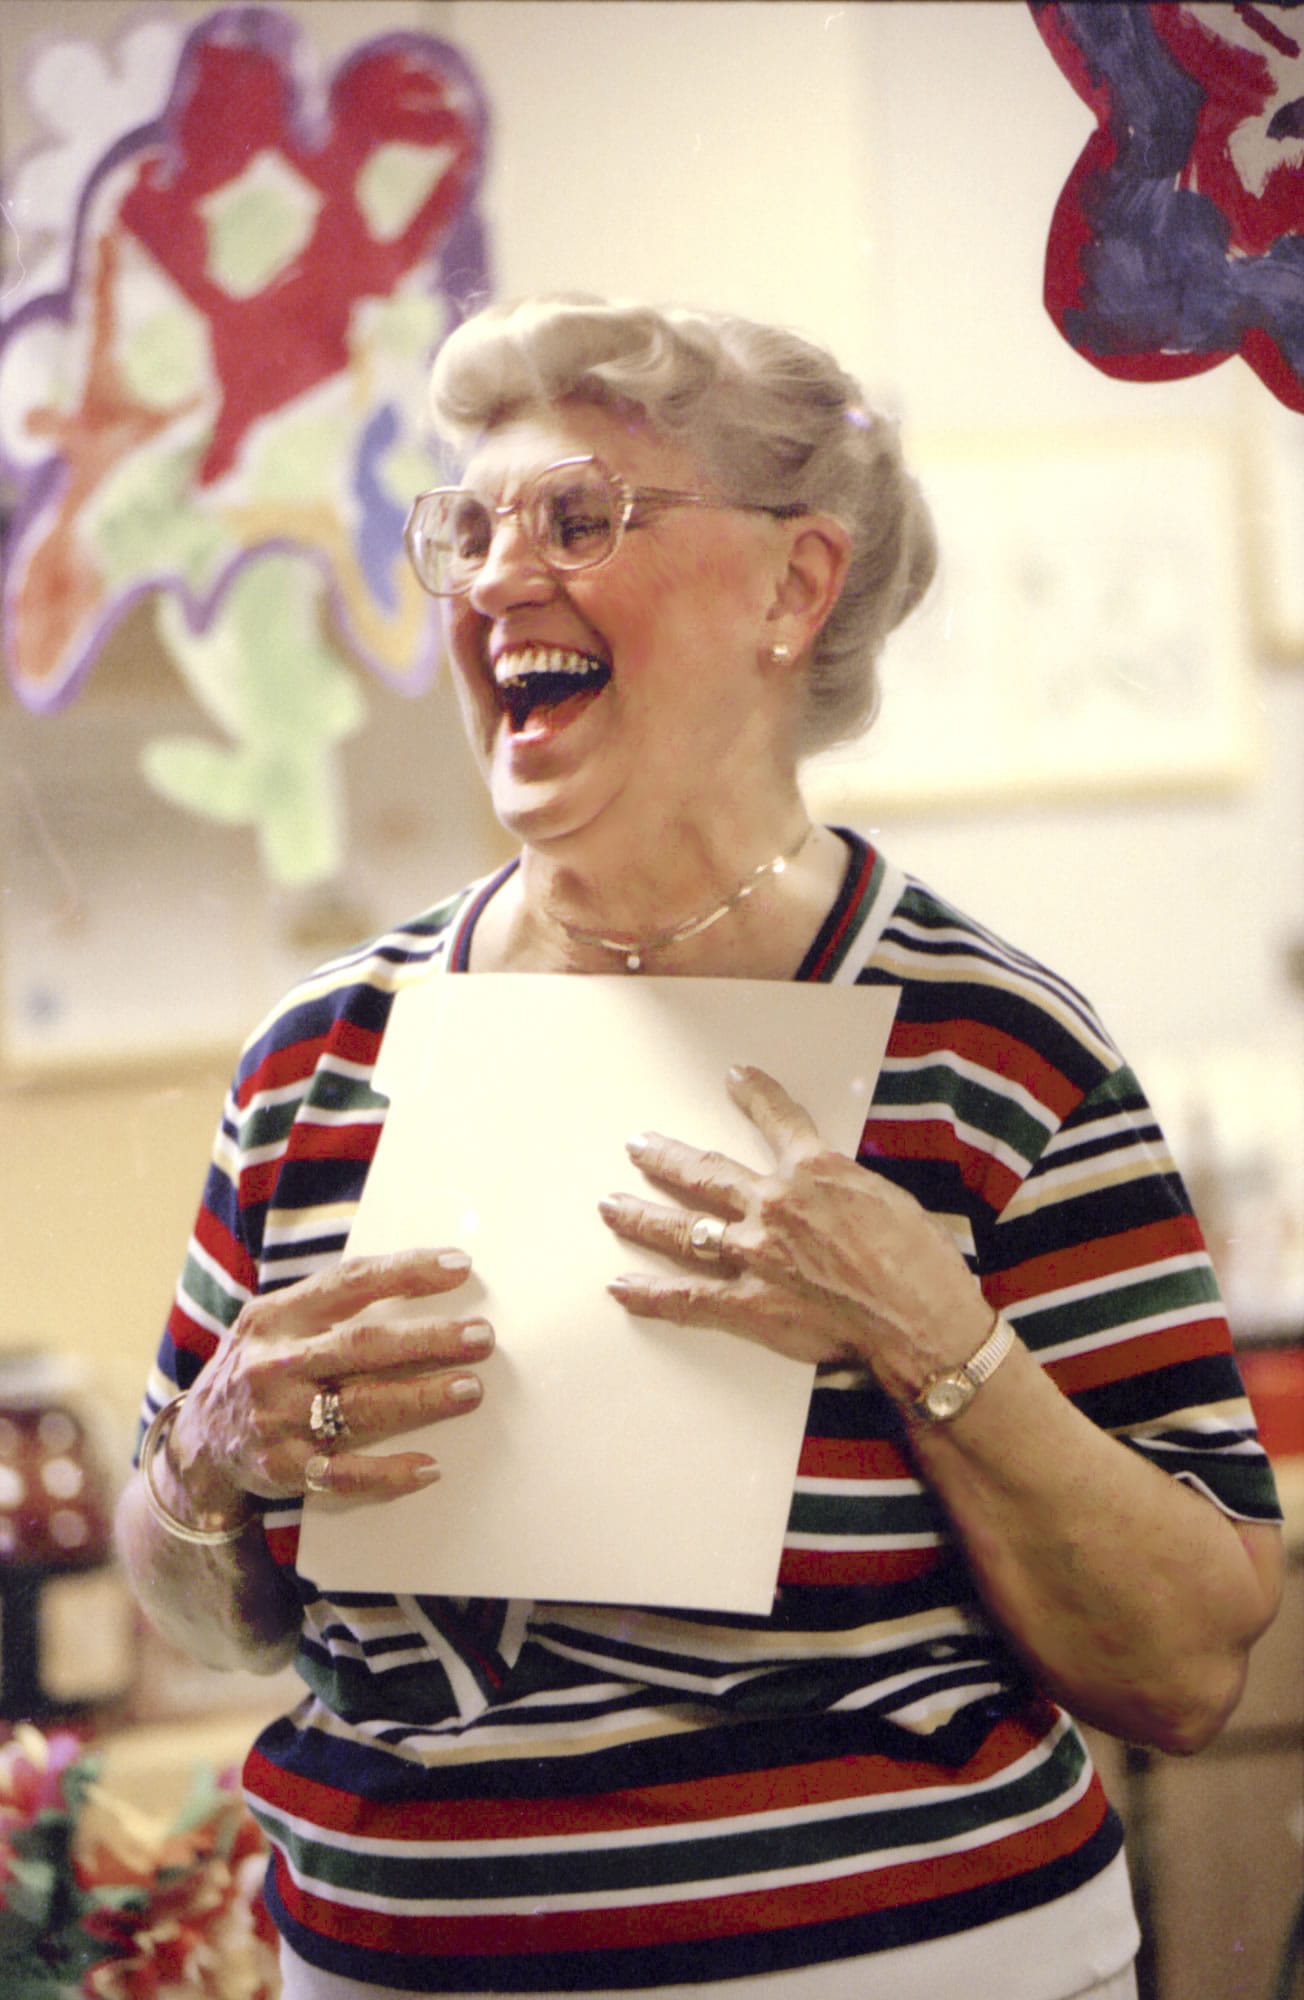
(881, 175)
(98, 1186)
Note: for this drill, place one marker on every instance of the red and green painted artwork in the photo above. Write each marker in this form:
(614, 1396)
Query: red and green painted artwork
(217, 403)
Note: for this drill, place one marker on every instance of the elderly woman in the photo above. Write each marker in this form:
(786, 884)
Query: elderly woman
(1030, 1487)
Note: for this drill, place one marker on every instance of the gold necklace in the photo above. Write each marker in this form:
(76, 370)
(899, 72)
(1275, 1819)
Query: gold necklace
(635, 952)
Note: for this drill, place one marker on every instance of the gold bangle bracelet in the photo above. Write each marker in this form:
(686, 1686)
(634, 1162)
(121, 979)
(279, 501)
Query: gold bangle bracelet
(204, 1538)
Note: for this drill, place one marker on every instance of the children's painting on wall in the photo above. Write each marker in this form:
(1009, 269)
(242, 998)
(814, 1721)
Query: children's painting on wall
(228, 265)
(1179, 238)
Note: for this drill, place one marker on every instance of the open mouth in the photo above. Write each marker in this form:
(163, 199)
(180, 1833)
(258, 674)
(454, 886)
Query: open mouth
(539, 681)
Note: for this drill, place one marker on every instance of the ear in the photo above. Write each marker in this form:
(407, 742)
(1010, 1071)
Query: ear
(810, 582)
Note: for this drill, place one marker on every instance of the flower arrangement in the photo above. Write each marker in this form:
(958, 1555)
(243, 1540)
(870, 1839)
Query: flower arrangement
(99, 1901)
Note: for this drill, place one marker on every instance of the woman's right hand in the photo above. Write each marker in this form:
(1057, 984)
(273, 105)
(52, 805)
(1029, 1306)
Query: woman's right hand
(245, 1427)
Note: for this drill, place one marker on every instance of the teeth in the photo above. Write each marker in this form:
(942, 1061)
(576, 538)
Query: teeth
(544, 660)
(531, 678)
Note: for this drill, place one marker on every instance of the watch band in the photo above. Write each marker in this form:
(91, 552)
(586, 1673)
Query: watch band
(961, 1385)
(991, 1354)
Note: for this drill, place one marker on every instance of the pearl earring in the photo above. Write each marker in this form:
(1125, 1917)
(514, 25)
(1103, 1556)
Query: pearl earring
(780, 653)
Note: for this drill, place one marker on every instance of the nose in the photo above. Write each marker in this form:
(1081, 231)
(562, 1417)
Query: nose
(512, 572)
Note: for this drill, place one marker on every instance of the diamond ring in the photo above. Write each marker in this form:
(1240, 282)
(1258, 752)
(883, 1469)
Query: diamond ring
(326, 1419)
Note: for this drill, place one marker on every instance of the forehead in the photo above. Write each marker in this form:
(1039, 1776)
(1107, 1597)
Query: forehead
(526, 440)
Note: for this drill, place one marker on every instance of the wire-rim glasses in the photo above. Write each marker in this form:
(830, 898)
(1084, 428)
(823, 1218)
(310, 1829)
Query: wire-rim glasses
(574, 515)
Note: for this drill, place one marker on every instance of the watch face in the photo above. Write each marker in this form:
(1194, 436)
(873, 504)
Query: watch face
(947, 1398)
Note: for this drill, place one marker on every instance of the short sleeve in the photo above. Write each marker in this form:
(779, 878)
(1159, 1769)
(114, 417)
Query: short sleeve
(1100, 1262)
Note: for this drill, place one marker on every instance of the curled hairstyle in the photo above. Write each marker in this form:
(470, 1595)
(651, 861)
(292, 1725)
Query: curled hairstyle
(769, 418)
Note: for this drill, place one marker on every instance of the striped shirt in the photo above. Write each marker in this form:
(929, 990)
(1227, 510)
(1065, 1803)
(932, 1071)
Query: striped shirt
(489, 1796)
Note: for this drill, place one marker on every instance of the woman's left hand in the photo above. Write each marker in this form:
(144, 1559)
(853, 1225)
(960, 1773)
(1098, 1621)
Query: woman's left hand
(1134, 1599)
(821, 1259)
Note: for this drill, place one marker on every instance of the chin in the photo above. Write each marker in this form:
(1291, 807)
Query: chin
(546, 806)
(532, 814)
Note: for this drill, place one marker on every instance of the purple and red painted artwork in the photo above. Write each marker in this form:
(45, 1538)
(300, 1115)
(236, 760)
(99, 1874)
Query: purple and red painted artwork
(256, 276)
(1178, 239)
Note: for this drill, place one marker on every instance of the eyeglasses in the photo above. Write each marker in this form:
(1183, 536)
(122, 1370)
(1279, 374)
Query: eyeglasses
(574, 515)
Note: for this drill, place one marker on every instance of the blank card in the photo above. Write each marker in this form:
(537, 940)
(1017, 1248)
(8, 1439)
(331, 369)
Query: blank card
(613, 1459)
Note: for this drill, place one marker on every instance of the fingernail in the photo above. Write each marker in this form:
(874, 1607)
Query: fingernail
(622, 1288)
(427, 1473)
(736, 1074)
(478, 1337)
(638, 1145)
(465, 1389)
(454, 1260)
(609, 1207)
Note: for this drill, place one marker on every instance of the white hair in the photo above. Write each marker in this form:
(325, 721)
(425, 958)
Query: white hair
(767, 415)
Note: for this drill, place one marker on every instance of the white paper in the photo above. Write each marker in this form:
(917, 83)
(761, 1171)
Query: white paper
(614, 1459)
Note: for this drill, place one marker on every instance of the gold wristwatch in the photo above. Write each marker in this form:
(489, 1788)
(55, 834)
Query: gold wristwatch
(947, 1396)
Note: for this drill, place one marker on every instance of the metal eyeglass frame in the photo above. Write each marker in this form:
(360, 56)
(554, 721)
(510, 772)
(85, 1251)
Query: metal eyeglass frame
(629, 498)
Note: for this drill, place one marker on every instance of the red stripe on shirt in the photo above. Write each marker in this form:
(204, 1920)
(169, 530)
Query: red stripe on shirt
(1192, 1340)
(1103, 1257)
(296, 1061)
(308, 1142)
(834, 1780)
(689, 1918)
(188, 1337)
(853, 1458)
(844, 1569)
(932, 1139)
(990, 1049)
(853, 893)
(226, 1250)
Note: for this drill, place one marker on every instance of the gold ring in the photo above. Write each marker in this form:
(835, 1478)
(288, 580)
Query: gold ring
(706, 1238)
(316, 1474)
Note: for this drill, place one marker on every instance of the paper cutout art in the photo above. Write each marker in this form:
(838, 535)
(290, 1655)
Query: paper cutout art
(220, 398)
(84, 98)
(284, 700)
(1178, 239)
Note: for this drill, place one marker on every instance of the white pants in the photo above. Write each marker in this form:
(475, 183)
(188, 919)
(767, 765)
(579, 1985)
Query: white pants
(840, 1981)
